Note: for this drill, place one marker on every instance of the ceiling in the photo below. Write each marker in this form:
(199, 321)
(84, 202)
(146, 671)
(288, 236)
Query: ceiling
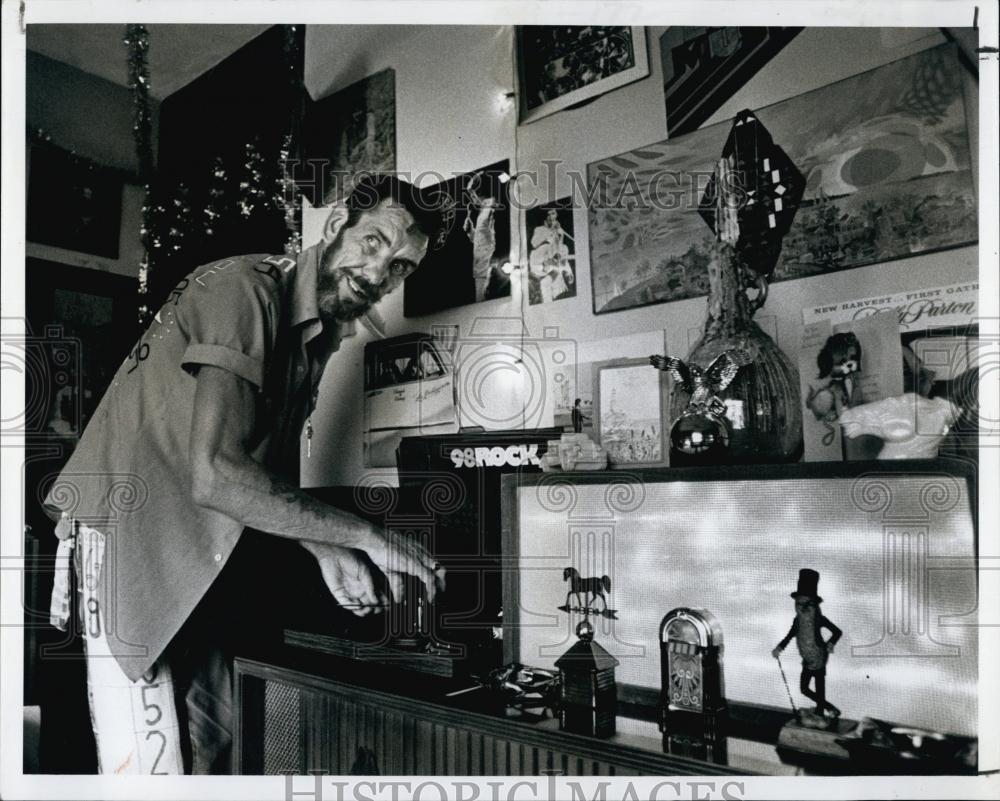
(177, 53)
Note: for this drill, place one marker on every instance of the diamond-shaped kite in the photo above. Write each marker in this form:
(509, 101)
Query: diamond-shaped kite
(766, 188)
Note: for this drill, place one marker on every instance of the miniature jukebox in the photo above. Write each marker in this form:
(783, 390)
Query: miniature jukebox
(692, 694)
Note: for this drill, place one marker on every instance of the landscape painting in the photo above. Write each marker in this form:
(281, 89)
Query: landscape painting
(888, 175)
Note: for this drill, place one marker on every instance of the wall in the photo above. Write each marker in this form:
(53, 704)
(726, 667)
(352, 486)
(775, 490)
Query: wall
(451, 117)
(92, 117)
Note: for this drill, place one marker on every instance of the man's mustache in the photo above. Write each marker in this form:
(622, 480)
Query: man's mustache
(368, 292)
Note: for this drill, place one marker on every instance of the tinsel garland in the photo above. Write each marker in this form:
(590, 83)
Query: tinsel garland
(181, 220)
(215, 208)
(287, 192)
(167, 219)
(289, 197)
(136, 41)
(251, 189)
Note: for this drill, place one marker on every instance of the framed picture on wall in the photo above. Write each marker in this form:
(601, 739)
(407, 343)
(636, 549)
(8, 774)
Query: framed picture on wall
(552, 252)
(352, 131)
(704, 67)
(464, 262)
(888, 171)
(630, 412)
(561, 66)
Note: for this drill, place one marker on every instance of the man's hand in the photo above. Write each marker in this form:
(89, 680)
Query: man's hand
(348, 578)
(776, 652)
(395, 555)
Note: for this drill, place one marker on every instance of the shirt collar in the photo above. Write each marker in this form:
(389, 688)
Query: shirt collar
(304, 307)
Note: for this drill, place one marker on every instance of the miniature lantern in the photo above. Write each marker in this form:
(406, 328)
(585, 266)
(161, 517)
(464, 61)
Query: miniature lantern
(588, 694)
(692, 694)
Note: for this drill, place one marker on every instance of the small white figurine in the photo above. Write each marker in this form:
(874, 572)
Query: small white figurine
(911, 426)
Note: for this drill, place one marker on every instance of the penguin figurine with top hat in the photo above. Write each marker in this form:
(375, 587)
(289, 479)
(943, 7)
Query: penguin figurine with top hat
(807, 630)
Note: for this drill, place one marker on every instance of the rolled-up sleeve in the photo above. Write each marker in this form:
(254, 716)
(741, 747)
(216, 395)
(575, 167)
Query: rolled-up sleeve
(230, 317)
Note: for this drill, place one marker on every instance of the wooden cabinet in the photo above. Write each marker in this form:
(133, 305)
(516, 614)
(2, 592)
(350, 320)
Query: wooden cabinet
(290, 721)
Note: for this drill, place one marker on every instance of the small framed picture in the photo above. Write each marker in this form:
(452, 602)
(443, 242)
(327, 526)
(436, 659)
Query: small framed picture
(560, 66)
(551, 257)
(630, 412)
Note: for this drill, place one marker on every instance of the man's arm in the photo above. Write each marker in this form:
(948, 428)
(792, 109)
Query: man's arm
(226, 478)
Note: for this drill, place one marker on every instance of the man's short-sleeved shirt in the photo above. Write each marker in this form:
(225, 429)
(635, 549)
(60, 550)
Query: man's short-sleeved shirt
(130, 475)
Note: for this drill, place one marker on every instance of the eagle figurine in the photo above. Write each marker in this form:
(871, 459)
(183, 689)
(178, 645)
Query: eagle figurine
(703, 385)
(702, 431)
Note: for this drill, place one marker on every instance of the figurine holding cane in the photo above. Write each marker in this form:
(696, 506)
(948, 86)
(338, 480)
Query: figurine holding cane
(807, 629)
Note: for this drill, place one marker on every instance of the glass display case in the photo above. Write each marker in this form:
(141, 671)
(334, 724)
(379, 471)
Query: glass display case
(895, 547)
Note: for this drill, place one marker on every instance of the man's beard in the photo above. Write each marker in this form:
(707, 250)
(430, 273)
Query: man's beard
(331, 305)
(328, 283)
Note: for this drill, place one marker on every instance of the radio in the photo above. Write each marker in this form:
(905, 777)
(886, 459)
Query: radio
(450, 487)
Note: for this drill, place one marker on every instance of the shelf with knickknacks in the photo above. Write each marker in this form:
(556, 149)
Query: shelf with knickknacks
(740, 402)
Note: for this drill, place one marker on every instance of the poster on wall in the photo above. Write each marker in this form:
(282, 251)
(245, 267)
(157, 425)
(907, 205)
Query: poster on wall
(888, 175)
(933, 307)
(704, 67)
(349, 132)
(562, 65)
(842, 366)
(464, 263)
(552, 252)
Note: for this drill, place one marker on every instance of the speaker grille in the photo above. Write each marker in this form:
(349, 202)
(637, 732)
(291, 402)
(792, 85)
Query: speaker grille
(281, 730)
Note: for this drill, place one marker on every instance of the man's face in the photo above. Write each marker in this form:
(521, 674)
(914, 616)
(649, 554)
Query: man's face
(367, 261)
